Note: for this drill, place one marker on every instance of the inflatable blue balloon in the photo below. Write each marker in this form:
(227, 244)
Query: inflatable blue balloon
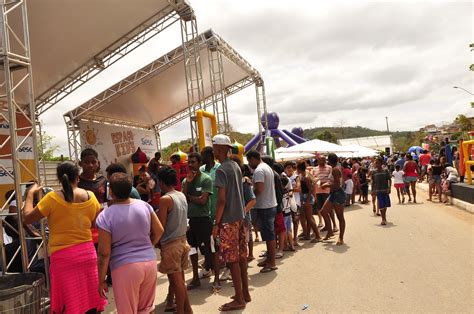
(297, 131)
(273, 120)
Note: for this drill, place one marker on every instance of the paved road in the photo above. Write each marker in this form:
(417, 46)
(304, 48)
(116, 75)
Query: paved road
(422, 261)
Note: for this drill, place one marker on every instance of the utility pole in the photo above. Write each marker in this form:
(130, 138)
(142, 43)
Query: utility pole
(386, 120)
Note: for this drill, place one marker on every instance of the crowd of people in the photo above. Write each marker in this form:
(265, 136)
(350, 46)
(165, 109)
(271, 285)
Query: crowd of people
(103, 229)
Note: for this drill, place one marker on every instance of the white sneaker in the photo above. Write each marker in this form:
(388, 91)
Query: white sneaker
(226, 274)
(205, 273)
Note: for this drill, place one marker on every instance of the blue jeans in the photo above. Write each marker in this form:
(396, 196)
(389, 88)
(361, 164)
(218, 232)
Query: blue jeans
(266, 223)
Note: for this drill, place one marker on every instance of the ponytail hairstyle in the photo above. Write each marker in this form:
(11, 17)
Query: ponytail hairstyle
(67, 172)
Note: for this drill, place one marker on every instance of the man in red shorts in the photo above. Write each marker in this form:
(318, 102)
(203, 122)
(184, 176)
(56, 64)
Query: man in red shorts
(229, 228)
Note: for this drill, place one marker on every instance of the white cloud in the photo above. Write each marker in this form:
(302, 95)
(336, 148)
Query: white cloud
(323, 61)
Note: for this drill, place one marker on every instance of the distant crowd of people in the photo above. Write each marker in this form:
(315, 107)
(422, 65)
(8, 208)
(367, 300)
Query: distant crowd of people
(103, 229)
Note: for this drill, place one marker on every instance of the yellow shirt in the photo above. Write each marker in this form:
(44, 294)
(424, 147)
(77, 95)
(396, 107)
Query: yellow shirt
(69, 223)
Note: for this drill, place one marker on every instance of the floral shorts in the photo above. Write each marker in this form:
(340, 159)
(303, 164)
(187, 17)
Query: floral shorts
(233, 245)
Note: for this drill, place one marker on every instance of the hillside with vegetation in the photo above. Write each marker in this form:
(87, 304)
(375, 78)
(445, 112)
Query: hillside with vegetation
(402, 140)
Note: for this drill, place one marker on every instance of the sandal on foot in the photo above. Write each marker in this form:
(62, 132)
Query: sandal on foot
(216, 289)
(262, 263)
(231, 306)
(268, 269)
(278, 255)
(328, 237)
(193, 285)
(316, 240)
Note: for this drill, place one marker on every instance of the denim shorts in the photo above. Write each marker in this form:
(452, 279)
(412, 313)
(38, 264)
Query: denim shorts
(266, 223)
(437, 178)
(383, 200)
(410, 179)
(288, 222)
(304, 198)
(337, 197)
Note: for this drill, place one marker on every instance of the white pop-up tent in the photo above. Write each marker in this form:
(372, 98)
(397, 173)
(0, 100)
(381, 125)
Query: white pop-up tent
(282, 156)
(359, 151)
(314, 146)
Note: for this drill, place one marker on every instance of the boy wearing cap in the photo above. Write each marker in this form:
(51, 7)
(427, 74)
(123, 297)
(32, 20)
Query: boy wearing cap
(229, 226)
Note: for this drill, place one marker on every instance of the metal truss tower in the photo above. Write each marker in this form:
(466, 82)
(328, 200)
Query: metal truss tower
(15, 63)
(219, 99)
(192, 67)
(261, 112)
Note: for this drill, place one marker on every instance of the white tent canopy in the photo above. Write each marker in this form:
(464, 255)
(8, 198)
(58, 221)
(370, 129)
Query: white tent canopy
(315, 146)
(282, 156)
(380, 142)
(68, 34)
(359, 151)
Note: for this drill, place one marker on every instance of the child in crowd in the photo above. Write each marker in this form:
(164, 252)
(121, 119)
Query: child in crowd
(91, 180)
(381, 183)
(348, 188)
(436, 171)
(249, 201)
(364, 185)
(399, 184)
(451, 176)
(431, 182)
(287, 196)
(173, 214)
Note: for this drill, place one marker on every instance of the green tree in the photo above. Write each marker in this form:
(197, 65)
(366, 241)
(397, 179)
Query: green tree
(326, 136)
(464, 122)
(46, 149)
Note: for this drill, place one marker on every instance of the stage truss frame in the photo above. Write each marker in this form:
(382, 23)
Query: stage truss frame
(216, 47)
(18, 62)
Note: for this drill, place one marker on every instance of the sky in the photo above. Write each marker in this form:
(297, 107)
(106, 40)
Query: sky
(326, 63)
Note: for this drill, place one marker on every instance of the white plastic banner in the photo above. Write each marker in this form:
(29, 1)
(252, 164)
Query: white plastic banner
(116, 143)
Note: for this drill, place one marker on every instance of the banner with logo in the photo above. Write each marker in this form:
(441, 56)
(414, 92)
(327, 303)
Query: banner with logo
(116, 143)
(25, 153)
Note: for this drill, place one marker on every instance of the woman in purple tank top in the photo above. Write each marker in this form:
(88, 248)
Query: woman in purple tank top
(128, 230)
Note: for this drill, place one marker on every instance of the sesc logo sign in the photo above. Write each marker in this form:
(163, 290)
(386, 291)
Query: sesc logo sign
(4, 173)
(4, 126)
(26, 149)
(146, 141)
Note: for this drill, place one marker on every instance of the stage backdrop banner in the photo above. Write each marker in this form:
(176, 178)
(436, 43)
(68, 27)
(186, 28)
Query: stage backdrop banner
(116, 143)
(25, 153)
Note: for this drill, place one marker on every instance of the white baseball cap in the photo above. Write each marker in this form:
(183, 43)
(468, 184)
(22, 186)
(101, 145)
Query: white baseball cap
(221, 139)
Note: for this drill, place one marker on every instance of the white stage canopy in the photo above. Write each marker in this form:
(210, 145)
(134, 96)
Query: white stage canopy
(155, 96)
(359, 151)
(314, 146)
(73, 40)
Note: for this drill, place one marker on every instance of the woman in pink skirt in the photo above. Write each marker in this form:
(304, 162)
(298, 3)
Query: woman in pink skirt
(128, 230)
(71, 213)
